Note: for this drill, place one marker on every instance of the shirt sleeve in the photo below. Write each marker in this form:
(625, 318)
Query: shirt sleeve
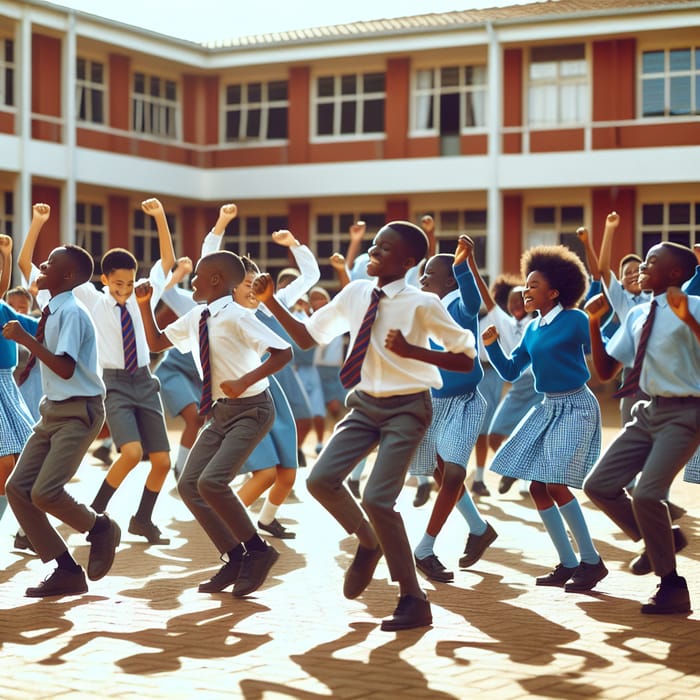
(616, 295)
(211, 243)
(179, 300)
(309, 275)
(158, 280)
(469, 292)
(443, 328)
(74, 325)
(87, 295)
(180, 332)
(259, 335)
(621, 346)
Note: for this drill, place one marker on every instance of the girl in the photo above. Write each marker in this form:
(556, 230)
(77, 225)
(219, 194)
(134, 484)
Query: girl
(559, 441)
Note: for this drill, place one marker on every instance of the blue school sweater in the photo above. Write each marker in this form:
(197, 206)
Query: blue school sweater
(8, 348)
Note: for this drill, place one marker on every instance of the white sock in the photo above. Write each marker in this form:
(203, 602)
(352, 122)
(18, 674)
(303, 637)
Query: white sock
(108, 442)
(182, 455)
(479, 474)
(267, 512)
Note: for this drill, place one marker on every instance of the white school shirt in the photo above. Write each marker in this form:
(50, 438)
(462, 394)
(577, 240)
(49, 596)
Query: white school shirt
(237, 340)
(417, 315)
(621, 300)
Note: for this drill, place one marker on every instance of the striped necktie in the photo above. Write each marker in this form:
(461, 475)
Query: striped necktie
(206, 400)
(631, 384)
(40, 339)
(128, 340)
(351, 370)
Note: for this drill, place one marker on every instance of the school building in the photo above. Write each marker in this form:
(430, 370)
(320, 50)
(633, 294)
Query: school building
(514, 124)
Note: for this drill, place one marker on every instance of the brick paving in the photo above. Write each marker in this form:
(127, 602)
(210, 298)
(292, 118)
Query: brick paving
(145, 632)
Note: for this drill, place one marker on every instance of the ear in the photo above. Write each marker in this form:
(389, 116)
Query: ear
(215, 279)
(104, 280)
(553, 293)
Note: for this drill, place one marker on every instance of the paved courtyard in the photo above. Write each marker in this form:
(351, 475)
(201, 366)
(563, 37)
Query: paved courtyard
(145, 632)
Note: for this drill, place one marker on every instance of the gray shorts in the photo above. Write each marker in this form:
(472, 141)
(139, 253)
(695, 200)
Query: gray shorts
(134, 411)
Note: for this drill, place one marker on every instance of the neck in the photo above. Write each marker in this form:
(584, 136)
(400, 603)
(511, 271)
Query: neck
(383, 281)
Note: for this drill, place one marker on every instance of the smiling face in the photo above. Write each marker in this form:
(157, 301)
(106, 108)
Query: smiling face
(437, 277)
(630, 277)
(56, 272)
(516, 305)
(538, 295)
(388, 257)
(243, 293)
(120, 284)
(660, 270)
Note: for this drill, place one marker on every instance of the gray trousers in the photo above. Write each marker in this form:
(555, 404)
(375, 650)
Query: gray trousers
(223, 445)
(661, 437)
(396, 424)
(48, 462)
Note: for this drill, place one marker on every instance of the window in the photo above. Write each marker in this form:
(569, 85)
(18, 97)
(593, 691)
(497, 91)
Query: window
(558, 91)
(333, 236)
(252, 236)
(556, 225)
(90, 91)
(154, 106)
(256, 111)
(144, 239)
(7, 213)
(7, 73)
(451, 223)
(671, 82)
(350, 104)
(449, 100)
(90, 230)
(678, 222)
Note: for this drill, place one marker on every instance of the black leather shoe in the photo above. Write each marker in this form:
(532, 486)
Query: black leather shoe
(642, 564)
(476, 546)
(434, 569)
(479, 489)
(360, 572)
(558, 577)
(422, 494)
(586, 576)
(60, 582)
(410, 612)
(22, 542)
(148, 530)
(223, 578)
(669, 599)
(354, 486)
(104, 545)
(276, 529)
(104, 454)
(254, 570)
(505, 483)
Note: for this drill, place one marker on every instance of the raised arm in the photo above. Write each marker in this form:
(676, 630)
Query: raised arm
(213, 240)
(5, 263)
(154, 208)
(40, 215)
(357, 234)
(427, 223)
(484, 292)
(309, 272)
(183, 268)
(612, 221)
(606, 367)
(157, 340)
(678, 301)
(591, 257)
(337, 262)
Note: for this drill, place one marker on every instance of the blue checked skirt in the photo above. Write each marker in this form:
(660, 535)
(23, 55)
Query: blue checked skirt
(692, 469)
(15, 420)
(557, 442)
(451, 434)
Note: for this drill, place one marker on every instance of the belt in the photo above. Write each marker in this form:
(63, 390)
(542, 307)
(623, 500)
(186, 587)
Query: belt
(676, 400)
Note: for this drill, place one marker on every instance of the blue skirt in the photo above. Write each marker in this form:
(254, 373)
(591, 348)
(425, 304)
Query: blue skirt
(557, 442)
(16, 421)
(692, 469)
(180, 384)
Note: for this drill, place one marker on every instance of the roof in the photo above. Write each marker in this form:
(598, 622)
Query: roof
(446, 21)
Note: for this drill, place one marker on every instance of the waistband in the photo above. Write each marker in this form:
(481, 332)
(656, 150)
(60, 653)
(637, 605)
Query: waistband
(394, 399)
(77, 398)
(125, 374)
(676, 400)
(246, 400)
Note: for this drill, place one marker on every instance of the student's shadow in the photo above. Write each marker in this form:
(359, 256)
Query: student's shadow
(521, 634)
(194, 636)
(338, 674)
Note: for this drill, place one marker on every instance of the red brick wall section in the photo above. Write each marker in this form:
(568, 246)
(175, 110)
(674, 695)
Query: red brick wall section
(299, 117)
(512, 97)
(397, 107)
(118, 223)
(119, 91)
(299, 215)
(512, 232)
(46, 86)
(211, 109)
(397, 210)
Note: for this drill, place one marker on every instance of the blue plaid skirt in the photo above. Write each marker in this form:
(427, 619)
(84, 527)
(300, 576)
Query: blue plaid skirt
(692, 469)
(557, 442)
(451, 434)
(15, 420)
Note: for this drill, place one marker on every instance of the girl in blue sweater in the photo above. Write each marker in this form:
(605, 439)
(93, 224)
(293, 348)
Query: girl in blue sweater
(559, 440)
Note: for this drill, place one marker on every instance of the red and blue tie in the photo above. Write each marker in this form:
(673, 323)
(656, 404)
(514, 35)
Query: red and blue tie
(40, 339)
(206, 400)
(128, 340)
(351, 370)
(631, 384)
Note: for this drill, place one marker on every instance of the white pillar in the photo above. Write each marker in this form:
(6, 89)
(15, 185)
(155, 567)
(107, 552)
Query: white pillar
(68, 193)
(23, 90)
(494, 236)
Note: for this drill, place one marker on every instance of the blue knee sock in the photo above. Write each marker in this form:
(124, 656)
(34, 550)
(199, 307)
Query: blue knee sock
(554, 524)
(574, 519)
(356, 473)
(465, 505)
(425, 547)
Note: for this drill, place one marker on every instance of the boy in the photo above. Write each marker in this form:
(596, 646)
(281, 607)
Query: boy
(226, 342)
(392, 370)
(659, 341)
(72, 413)
(133, 407)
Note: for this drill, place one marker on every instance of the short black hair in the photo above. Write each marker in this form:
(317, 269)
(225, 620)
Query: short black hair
(561, 267)
(685, 258)
(118, 259)
(228, 264)
(81, 261)
(413, 236)
(502, 287)
(19, 292)
(630, 257)
(249, 265)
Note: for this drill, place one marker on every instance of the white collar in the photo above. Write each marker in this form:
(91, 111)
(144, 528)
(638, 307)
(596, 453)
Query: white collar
(550, 315)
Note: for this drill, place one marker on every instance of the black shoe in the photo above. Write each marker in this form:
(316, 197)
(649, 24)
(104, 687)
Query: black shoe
(505, 483)
(476, 546)
(104, 454)
(360, 572)
(254, 569)
(104, 545)
(276, 529)
(354, 486)
(434, 569)
(301, 457)
(642, 564)
(22, 542)
(410, 612)
(669, 599)
(422, 494)
(223, 578)
(148, 530)
(60, 582)
(675, 511)
(479, 489)
(558, 577)
(586, 576)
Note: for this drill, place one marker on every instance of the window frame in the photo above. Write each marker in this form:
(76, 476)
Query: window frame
(157, 102)
(666, 229)
(8, 68)
(144, 227)
(560, 232)
(87, 86)
(85, 229)
(693, 73)
(7, 213)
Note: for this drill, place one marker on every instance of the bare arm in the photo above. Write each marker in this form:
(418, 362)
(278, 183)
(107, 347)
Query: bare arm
(464, 248)
(606, 367)
(612, 221)
(427, 223)
(184, 268)
(40, 215)
(5, 263)
(157, 340)
(154, 208)
(452, 361)
(591, 257)
(357, 233)
(338, 264)
(62, 365)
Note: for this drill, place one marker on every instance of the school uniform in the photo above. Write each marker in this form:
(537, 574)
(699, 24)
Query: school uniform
(390, 407)
(72, 414)
(237, 340)
(328, 360)
(661, 437)
(491, 385)
(559, 440)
